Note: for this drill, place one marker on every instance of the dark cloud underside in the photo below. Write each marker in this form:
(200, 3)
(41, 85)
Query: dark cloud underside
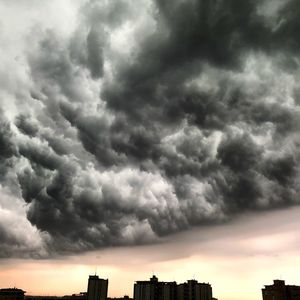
(196, 120)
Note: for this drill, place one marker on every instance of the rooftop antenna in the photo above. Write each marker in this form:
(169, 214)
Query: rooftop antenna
(95, 270)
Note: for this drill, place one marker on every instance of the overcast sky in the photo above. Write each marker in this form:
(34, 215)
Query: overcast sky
(133, 129)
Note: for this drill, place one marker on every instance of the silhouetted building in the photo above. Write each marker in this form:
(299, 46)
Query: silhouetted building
(170, 291)
(279, 291)
(80, 296)
(11, 294)
(159, 290)
(33, 297)
(147, 290)
(120, 298)
(194, 290)
(97, 288)
(154, 290)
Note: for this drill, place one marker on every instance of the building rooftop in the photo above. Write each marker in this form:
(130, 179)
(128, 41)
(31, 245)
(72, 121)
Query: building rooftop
(11, 291)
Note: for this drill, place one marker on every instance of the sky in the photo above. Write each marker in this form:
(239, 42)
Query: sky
(149, 136)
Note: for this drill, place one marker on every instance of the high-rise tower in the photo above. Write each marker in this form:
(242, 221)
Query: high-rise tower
(97, 288)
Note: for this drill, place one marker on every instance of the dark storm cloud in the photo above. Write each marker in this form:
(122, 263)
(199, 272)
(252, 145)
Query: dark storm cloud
(8, 242)
(282, 169)
(95, 54)
(286, 29)
(197, 122)
(65, 205)
(239, 153)
(7, 147)
(58, 145)
(26, 126)
(42, 156)
(189, 33)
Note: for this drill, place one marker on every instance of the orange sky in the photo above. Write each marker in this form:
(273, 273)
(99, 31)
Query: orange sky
(237, 259)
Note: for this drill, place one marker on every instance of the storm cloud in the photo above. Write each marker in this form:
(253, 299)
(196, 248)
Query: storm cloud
(145, 118)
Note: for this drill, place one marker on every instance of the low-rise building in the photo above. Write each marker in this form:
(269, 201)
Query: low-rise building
(280, 291)
(12, 294)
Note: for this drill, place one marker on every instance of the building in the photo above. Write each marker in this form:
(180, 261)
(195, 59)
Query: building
(147, 290)
(126, 297)
(159, 290)
(170, 291)
(154, 290)
(33, 297)
(194, 290)
(11, 294)
(279, 291)
(97, 288)
(80, 296)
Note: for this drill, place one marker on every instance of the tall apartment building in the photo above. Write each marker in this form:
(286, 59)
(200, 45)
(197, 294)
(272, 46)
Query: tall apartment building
(97, 288)
(194, 290)
(279, 291)
(154, 290)
(159, 290)
(170, 291)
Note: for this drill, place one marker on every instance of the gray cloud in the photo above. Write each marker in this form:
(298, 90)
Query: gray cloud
(95, 53)
(26, 126)
(195, 122)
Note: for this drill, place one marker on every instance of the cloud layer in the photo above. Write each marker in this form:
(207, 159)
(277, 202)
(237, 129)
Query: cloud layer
(145, 118)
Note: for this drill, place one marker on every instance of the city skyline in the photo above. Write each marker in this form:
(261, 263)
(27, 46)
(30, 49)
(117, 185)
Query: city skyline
(146, 137)
(154, 289)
